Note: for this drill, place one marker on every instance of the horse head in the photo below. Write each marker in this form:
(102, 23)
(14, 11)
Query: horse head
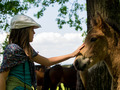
(100, 42)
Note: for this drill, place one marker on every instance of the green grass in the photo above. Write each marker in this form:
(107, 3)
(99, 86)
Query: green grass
(62, 86)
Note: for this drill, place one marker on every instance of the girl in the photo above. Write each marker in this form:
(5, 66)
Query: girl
(17, 69)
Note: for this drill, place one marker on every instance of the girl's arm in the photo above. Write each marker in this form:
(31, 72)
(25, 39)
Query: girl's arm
(3, 77)
(53, 60)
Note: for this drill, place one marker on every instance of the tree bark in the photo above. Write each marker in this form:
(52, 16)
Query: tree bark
(109, 10)
(98, 76)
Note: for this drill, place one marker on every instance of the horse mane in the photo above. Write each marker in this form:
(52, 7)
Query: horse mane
(114, 25)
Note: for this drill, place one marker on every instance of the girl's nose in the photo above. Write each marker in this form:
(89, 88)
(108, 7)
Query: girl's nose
(33, 32)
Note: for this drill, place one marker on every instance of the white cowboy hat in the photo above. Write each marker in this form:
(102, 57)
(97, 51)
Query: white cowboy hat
(22, 21)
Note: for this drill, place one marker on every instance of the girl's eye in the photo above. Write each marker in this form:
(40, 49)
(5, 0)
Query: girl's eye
(93, 39)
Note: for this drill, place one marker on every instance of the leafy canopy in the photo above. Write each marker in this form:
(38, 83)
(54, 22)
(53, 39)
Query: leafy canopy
(68, 12)
(10, 8)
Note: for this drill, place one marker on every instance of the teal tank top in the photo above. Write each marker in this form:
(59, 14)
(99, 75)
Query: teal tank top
(17, 71)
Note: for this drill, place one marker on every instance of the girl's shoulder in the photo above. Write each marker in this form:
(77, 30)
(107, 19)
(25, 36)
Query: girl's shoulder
(13, 48)
(13, 55)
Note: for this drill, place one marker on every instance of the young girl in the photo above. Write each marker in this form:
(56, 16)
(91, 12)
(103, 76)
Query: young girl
(17, 69)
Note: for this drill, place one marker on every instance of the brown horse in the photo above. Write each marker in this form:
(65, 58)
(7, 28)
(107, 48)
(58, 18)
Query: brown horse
(52, 77)
(40, 70)
(69, 77)
(102, 43)
(60, 74)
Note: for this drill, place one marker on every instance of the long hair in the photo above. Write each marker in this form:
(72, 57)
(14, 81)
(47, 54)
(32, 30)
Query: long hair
(21, 38)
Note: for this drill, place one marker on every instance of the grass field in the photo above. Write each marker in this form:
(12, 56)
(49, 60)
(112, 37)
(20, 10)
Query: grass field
(62, 86)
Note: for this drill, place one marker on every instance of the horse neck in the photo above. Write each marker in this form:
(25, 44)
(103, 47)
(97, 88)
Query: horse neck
(113, 58)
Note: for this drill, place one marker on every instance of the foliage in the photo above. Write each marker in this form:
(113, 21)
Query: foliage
(68, 12)
(9, 8)
(4, 44)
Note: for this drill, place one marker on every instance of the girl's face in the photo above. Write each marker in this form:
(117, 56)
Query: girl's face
(31, 34)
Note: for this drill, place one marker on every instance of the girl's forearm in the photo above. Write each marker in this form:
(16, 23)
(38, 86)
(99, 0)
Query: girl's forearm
(54, 60)
(50, 61)
(58, 59)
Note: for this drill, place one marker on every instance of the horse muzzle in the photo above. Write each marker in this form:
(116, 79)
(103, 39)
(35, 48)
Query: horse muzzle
(81, 63)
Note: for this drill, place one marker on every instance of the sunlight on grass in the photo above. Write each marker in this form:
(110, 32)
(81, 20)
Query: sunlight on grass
(62, 86)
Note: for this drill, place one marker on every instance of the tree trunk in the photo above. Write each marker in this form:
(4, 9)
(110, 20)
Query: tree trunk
(98, 76)
(109, 10)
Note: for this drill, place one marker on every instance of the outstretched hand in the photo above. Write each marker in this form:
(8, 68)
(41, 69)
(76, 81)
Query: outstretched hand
(77, 51)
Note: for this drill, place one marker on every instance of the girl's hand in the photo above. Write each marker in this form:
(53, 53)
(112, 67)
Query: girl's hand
(76, 52)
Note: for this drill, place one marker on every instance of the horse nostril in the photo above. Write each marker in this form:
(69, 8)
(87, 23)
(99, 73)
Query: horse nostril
(76, 63)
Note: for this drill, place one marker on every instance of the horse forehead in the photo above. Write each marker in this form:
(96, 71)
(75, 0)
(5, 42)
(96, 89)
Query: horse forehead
(95, 32)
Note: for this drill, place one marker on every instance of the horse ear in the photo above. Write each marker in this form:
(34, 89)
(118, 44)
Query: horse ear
(93, 22)
(97, 21)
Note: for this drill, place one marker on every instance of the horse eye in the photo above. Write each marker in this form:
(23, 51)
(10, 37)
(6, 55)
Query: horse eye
(93, 39)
